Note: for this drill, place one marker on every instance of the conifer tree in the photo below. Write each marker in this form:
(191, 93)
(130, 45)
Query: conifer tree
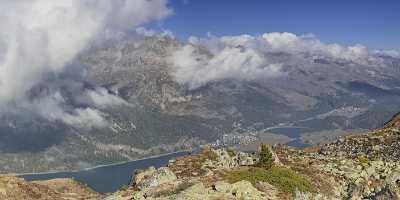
(266, 158)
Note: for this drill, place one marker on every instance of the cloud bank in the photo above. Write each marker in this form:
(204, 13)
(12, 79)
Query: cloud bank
(146, 32)
(40, 39)
(247, 57)
(195, 69)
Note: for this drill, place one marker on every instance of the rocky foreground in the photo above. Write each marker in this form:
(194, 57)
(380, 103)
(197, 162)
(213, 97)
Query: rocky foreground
(354, 167)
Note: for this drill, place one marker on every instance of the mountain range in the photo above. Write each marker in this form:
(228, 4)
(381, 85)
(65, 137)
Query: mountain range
(161, 114)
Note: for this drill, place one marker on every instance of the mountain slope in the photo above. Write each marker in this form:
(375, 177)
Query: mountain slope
(279, 172)
(162, 115)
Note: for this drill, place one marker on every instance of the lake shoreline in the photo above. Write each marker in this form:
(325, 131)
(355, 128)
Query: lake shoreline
(97, 166)
(139, 159)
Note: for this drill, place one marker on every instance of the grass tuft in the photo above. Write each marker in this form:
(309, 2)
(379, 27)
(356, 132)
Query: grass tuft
(282, 178)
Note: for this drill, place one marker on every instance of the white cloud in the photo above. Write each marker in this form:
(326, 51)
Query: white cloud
(391, 53)
(291, 43)
(52, 108)
(101, 98)
(151, 32)
(41, 37)
(247, 57)
(85, 118)
(231, 62)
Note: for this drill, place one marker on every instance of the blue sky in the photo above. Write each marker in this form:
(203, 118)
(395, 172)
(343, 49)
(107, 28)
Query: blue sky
(375, 23)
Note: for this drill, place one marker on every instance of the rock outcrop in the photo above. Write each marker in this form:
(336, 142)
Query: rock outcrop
(12, 188)
(354, 167)
(394, 122)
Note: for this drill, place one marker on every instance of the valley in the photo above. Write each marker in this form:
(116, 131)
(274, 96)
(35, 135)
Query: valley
(361, 166)
(199, 100)
(161, 115)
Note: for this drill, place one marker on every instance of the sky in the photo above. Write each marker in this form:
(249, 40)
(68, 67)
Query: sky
(374, 23)
(38, 48)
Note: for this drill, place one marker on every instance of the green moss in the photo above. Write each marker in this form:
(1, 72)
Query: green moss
(282, 178)
(363, 159)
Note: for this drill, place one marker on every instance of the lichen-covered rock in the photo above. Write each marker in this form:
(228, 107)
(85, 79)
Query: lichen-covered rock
(140, 175)
(246, 159)
(222, 190)
(245, 190)
(195, 192)
(269, 190)
(381, 144)
(226, 160)
(377, 178)
(153, 178)
(310, 196)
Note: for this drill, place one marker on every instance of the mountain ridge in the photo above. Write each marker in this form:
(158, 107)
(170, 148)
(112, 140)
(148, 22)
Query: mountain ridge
(163, 115)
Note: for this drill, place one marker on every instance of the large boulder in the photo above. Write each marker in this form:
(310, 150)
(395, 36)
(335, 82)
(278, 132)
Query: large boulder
(140, 175)
(225, 159)
(222, 190)
(154, 178)
(240, 190)
(246, 159)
